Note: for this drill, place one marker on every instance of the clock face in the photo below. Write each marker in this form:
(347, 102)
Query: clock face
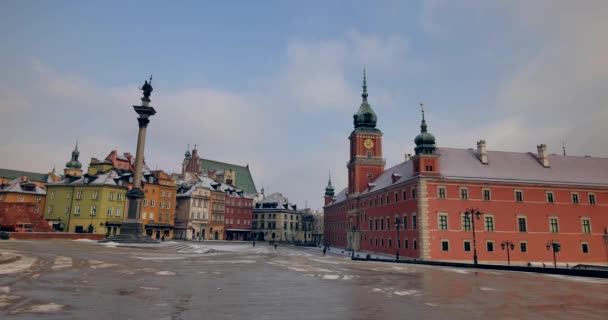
(368, 143)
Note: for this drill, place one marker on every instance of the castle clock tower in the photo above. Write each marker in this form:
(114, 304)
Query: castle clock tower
(366, 162)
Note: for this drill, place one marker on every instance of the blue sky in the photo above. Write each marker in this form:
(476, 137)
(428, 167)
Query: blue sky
(274, 84)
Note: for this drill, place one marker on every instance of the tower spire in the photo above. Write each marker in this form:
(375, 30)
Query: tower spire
(423, 127)
(364, 94)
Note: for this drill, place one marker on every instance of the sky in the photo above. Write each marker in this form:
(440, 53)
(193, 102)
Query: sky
(274, 84)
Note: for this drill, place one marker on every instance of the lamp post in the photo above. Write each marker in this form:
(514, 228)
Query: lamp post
(509, 246)
(555, 247)
(353, 230)
(398, 225)
(473, 213)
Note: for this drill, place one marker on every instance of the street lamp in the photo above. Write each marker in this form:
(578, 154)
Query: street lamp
(509, 246)
(353, 230)
(555, 247)
(470, 213)
(398, 225)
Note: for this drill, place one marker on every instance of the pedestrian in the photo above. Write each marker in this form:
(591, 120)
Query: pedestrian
(275, 246)
(254, 243)
(162, 239)
(324, 250)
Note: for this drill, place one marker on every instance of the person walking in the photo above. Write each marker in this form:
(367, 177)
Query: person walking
(324, 250)
(275, 246)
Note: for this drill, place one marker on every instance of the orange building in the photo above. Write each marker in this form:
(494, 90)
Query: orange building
(453, 204)
(23, 190)
(158, 208)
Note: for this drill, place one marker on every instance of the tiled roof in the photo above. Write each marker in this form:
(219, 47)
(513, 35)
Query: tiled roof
(18, 186)
(244, 180)
(522, 167)
(12, 174)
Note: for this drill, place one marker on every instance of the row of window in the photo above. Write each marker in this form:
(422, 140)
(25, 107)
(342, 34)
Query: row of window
(406, 244)
(380, 200)
(238, 210)
(523, 246)
(166, 205)
(377, 224)
(238, 221)
(273, 225)
(522, 223)
(93, 211)
(274, 216)
(519, 195)
(145, 215)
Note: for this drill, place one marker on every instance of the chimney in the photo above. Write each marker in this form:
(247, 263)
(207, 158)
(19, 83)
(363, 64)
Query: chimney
(482, 153)
(407, 156)
(542, 155)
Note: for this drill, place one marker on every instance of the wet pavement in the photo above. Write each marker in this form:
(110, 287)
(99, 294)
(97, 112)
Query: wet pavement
(59, 279)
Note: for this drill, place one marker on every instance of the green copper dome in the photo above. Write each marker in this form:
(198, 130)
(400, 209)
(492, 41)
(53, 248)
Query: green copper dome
(329, 190)
(365, 117)
(425, 141)
(74, 163)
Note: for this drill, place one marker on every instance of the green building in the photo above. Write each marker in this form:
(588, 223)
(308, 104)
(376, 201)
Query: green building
(93, 203)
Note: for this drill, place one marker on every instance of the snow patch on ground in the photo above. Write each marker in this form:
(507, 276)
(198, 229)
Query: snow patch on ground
(5, 289)
(7, 300)
(84, 240)
(578, 279)
(376, 290)
(330, 276)
(96, 264)
(165, 273)
(40, 308)
(62, 263)
(17, 266)
(227, 261)
(487, 289)
(347, 277)
(110, 244)
(149, 288)
(432, 304)
(406, 292)
(458, 270)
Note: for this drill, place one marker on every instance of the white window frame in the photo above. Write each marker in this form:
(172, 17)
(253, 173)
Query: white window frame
(95, 195)
(524, 242)
(547, 193)
(550, 228)
(583, 225)
(120, 196)
(152, 203)
(109, 212)
(21, 198)
(493, 246)
(445, 192)
(466, 189)
(77, 210)
(483, 194)
(118, 211)
(52, 195)
(470, 245)
(79, 195)
(93, 210)
(578, 197)
(515, 195)
(517, 222)
(485, 216)
(447, 222)
(589, 195)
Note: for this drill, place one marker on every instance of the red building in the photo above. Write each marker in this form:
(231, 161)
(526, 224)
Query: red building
(238, 216)
(527, 202)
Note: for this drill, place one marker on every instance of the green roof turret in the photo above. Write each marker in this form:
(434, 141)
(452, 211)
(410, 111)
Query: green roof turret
(365, 117)
(74, 163)
(425, 141)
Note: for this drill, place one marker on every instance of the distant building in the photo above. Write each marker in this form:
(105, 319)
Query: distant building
(230, 174)
(526, 202)
(274, 218)
(193, 211)
(238, 215)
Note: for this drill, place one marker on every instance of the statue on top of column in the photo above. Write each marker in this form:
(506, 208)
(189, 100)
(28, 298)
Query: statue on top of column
(147, 88)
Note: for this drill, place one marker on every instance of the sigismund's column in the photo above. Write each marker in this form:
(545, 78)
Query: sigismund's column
(132, 228)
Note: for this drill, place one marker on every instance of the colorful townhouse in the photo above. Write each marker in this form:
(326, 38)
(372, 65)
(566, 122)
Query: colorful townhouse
(93, 202)
(158, 207)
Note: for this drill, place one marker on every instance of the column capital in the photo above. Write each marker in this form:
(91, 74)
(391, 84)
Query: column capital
(143, 122)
